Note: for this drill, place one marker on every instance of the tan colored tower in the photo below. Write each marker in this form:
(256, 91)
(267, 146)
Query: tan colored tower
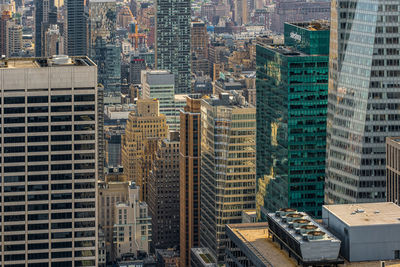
(144, 128)
(189, 178)
(199, 47)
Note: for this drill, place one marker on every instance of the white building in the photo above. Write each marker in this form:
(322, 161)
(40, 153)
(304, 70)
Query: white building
(132, 227)
(49, 151)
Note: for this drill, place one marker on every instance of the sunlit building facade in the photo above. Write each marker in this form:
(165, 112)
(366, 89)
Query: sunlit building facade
(228, 167)
(292, 89)
(363, 100)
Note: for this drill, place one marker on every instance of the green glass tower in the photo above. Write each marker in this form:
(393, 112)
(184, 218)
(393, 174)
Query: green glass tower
(292, 89)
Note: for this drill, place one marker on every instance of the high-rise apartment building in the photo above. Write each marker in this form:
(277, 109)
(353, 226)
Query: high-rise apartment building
(49, 161)
(75, 28)
(292, 90)
(5, 17)
(228, 167)
(363, 99)
(132, 225)
(189, 164)
(144, 128)
(393, 169)
(172, 47)
(14, 39)
(163, 194)
(159, 84)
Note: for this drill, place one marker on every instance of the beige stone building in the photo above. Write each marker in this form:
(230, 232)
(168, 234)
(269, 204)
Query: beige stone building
(145, 126)
(132, 225)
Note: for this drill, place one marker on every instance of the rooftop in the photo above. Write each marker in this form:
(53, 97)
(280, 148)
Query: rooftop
(204, 255)
(366, 213)
(55, 61)
(317, 25)
(394, 139)
(255, 236)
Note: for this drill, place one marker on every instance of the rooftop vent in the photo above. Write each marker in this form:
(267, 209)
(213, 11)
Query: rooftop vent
(284, 211)
(293, 216)
(300, 222)
(61, 60)
(315, 235)
(304, 229)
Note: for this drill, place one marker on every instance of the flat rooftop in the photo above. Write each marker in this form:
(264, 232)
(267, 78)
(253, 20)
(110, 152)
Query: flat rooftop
(316, 25)
(255, 236)
(32, 63)
(366, 213)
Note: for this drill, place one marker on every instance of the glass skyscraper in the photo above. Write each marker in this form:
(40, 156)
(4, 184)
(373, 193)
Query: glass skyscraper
(173, 41)
(364, 98)
(75, 28)
(292, 88)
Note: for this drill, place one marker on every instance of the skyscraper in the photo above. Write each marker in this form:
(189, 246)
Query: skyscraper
(49, 168)
(45, 14)
(363, 99)
(199, 47)
(189, 164)
(163, 193)
(75, 28)
(292, 90)
(144, 128)
(103, 46)
(172, 50)
(228, 167)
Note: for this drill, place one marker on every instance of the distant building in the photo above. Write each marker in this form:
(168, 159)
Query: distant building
(145, 127)
(110, 193)
(201, 257)
(365, 227)
(163, 193)
(53, 41)
(240, 12)
(136, 66)
(113, 145)
(393, 169)
(228, 155)
(75, 28)
(45, 15)
(172, 48)
(103, 47)
(160, 84)
(14, 39)
(199, 47)
(132, 225)
(297, 11)
(167, 258)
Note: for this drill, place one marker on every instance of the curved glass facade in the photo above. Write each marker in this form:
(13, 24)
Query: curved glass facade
(363, 98)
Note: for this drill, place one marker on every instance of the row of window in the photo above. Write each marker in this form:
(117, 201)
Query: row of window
(45, 177)
(45, 138)
(45, 99)
(45, 109)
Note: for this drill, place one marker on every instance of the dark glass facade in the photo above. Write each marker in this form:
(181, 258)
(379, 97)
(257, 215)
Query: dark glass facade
(173, 41)
(292, 88)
